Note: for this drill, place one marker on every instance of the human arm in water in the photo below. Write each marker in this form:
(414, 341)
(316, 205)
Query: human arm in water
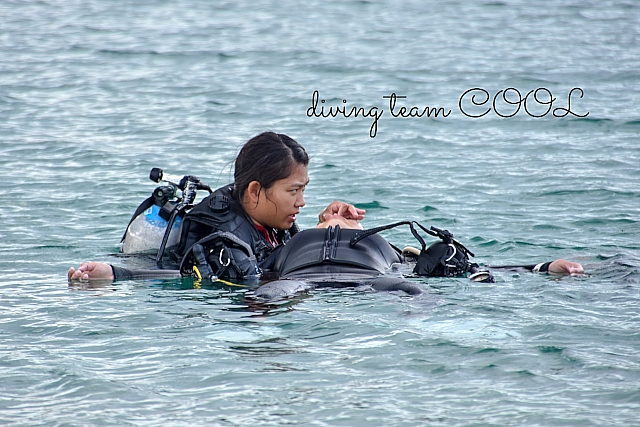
(559, 266)
(343, 214)
(562, 266)
(102, 271)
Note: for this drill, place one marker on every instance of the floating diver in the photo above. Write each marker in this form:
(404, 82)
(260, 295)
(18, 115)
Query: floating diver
(247, 230)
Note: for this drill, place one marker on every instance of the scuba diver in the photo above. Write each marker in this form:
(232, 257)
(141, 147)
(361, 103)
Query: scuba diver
(247, 230)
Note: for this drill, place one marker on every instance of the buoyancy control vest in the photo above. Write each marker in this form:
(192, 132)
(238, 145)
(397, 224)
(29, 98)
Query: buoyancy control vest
(219, 239)
(327, 252)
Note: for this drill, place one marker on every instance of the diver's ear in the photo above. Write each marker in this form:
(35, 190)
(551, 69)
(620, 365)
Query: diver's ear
(253, 192)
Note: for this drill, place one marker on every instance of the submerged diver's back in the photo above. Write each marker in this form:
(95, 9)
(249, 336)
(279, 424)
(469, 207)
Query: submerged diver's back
(325, 258)
(327, 251)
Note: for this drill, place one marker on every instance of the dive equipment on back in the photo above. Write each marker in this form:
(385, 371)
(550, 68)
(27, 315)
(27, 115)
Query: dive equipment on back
(232, 244)
(146, 231)
(156, 222)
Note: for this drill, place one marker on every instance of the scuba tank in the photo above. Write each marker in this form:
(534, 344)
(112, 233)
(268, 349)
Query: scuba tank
(146, 231)
(155, 225)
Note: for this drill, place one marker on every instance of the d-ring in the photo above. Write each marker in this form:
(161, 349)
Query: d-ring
(220, 259)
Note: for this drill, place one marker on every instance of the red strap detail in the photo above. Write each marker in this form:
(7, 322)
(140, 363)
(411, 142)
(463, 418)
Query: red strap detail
(268, 234)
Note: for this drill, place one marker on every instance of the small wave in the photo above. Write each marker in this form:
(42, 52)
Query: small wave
(428, 208)
(372, 205)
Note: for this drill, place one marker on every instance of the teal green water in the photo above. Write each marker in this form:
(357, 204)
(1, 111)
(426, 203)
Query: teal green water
(95, 93)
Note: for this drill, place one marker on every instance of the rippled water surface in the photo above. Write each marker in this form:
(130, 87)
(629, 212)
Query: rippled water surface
(95, 93)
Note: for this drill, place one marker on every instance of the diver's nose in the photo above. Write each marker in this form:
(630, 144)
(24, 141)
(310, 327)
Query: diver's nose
(300, 202)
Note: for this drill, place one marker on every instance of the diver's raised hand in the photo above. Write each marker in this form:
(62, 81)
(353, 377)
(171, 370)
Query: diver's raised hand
(562, 266)
(342, 209)
(91, 271)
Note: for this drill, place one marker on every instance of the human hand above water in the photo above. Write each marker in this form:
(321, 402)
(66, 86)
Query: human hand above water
(562, 266)
(342, 209)
(91, 271)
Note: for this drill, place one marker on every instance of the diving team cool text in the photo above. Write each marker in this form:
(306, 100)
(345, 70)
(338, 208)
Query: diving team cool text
(476, 104)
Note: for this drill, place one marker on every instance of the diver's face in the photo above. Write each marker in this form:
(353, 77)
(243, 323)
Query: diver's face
(278, 206)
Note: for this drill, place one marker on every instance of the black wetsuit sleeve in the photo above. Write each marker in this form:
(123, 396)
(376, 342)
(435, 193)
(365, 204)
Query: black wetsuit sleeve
(120, 273)
(536, 268)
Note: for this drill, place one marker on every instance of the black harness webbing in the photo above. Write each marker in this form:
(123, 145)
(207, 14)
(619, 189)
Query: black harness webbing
(436, 232)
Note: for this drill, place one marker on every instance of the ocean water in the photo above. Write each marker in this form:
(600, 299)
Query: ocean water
(93, 94)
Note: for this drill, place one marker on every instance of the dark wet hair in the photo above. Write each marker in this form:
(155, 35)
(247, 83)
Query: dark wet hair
(267, 158)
